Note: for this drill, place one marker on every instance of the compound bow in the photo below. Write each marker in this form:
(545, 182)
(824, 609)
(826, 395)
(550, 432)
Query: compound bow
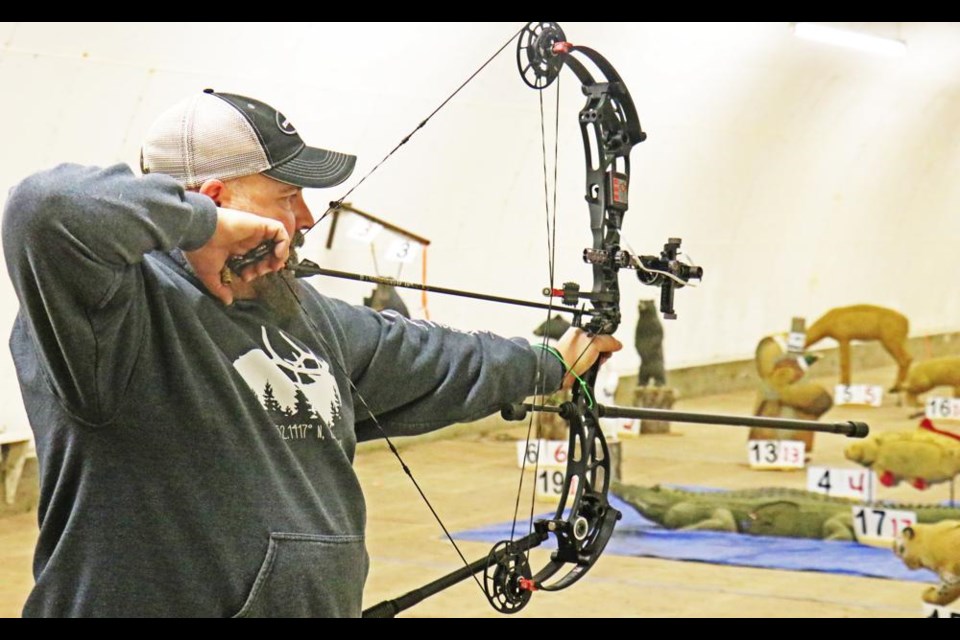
(584, 520)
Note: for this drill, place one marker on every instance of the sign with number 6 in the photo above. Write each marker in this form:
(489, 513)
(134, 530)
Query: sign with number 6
(542, 453)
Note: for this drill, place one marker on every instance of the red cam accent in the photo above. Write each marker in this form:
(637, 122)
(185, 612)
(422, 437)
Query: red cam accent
(556, 293)
(526, 584)
(562, 47)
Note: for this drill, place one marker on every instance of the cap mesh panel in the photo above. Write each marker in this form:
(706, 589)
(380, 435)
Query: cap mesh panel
(202, 138)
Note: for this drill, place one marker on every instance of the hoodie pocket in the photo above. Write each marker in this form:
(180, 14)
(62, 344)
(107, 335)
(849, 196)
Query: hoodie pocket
(306, 575)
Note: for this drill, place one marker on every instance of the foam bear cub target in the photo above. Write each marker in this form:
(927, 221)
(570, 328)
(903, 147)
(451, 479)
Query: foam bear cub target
(935, 547)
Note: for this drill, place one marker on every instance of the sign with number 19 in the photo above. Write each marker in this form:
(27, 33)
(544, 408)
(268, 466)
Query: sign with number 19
(550, 484)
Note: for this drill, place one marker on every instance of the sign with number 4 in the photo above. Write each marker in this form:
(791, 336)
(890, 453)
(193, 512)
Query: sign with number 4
(776, 454)
(842, 483)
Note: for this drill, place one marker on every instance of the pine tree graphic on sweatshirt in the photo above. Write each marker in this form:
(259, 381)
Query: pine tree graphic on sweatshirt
(295, 386)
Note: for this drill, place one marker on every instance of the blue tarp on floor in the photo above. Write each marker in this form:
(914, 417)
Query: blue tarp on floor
(637, 536)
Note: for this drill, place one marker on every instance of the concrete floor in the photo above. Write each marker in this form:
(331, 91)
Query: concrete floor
(471, 481)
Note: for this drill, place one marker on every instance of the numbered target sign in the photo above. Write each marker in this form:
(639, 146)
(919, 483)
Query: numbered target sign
(363, 230)
(555, 453)
(943, 408)
(938, 611)
(878, 527)
(776, 454)
(551, 453)
(862, 394)
(628, 428)
(550, 484)
(842, 483)
(796, 340)
(402, 250)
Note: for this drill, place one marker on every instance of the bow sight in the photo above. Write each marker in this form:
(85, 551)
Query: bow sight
(665, 272)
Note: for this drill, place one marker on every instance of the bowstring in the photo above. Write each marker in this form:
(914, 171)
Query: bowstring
(551, 239)
(335, 205)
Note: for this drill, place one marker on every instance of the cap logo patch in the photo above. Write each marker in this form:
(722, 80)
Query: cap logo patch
(285, 125)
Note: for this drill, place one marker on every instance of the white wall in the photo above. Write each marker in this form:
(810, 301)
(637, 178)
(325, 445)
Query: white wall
(801, 177)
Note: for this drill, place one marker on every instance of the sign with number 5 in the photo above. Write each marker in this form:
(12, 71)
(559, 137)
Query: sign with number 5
(867, 394)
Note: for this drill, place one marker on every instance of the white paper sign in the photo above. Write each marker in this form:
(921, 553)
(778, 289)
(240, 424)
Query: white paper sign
(552, 453)
(878, 526)
(939, 611)
(842, 483)
(363, 230)
(628, 427)
(402, 250)
(550, 484)
(943, 408)
(796, 340)
(776, 454)
(863, 394)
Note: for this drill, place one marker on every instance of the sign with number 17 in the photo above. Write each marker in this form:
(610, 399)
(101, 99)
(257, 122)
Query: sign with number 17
(879, 527)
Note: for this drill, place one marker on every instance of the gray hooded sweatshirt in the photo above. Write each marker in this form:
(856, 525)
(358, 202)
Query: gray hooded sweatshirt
(196, 458)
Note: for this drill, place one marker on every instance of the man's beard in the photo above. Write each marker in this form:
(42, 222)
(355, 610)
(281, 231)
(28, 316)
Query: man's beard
(277, 290)
(277, 293)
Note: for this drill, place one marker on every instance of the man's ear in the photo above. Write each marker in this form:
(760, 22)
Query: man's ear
(214, 189)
